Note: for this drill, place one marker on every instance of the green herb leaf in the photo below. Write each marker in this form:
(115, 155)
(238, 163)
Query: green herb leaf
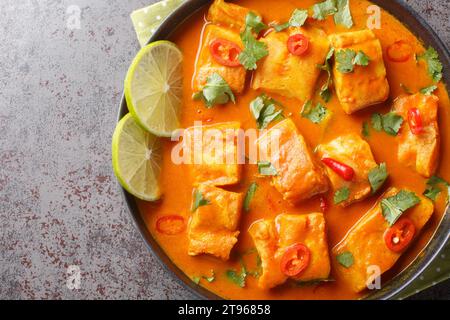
(254, 50)
(216, 91)
(365, 129)
(264, 111)
(431, 57)
(199, 201)
(196, 279)
(298, 18)
(265, 168)
(344, 60)
(237, 278)
(392, 123)
(377, 121)
(315, 114)
(255, 22)
(345, 259)
(325, 91)
(361, 59)
(341, 195)
(249, 196)
(281, 27)
(343, 15)
(210, 278)
(433, 187)
(323, 9)
(405, 88)
(377, 177)
(309, 283)
(393, 207)
(428, 90)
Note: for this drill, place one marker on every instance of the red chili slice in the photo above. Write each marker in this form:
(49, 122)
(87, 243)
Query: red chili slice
(343, 170)
(170, 225)
(295, 260)
(323, 204)
(298, 44)
(399, 51)
(225, 52)
(399, 236)
(415, 121)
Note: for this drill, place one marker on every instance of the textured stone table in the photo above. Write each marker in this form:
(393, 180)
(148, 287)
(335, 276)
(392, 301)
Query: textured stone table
(59, 203)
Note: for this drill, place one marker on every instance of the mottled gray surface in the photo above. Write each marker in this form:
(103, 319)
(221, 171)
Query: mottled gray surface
(59, 202)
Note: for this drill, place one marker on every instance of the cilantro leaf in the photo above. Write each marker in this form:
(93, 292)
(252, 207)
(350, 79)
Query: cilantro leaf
(249, 196)
(344, 60)
(199, 201)
(323, 9)
(325, 91)
(377, 121)
(254, 50)
(196, 279)
(343, 15)
(361, 59)
(255, 22)
(315, 114)
(210, 278)
(237, 278)
(265, 168)
(216, 91)
(377, 177)
(393, 207)
(281, 27)
(428, 90)
(392, 123)
(298, 18)
(431, 57)
(433, 187)
(365, 129)
(264, 111)
(341, 195)
(345, 259)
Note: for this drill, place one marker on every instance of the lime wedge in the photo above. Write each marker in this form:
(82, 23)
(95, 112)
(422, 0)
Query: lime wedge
(136, 159)
(153, 88)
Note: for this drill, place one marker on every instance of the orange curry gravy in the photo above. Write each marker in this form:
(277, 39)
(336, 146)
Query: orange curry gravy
(267, 202)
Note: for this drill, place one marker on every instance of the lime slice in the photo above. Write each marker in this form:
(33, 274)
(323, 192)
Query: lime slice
(136, 159)
(153, 88)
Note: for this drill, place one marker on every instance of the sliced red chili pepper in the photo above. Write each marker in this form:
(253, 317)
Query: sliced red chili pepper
(399, 51)
(225, 52)
(344, 171)
(399, 236)
(298, 44)
(415, 121)
(170, 225)
(323, 204)
(295, 259)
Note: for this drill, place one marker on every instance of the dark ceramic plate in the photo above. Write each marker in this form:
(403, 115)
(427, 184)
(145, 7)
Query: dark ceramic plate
(392, 288)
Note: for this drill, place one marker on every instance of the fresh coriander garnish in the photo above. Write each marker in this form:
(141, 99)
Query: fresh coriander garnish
(237, 278)
(345, 259)
(389, 122)
(210, 278)
(249, 196)
(431, 57)
(365, 129)
(265, 168)
(199, 200)
(393, 207)
(297, 19)
(346, 60)
(323, 9)
(428, 90)
(433, 187)
(343, 15)
(377, 177)
(315, 114)
(341, 195)
(264, 111)
(254, 50)
(216, 91)
(325, 91)
(196, 279)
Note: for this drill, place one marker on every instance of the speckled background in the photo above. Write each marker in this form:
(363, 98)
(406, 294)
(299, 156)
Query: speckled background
(59, 202)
